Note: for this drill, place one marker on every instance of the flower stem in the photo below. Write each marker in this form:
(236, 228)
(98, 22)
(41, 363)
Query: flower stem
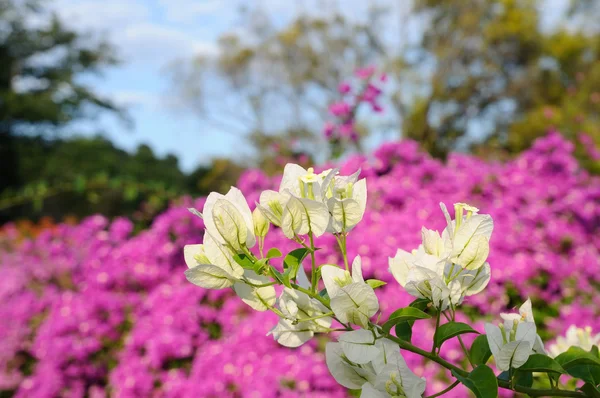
(444, 391)
(313, 264)
(341, 240)
(461, 372)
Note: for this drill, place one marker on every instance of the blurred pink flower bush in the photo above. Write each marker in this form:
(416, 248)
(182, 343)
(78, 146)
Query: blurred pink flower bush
(91, 310)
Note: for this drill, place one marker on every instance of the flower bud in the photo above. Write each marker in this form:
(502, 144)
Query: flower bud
(261, 224)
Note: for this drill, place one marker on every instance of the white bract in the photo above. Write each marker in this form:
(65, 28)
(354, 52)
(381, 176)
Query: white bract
(579, 337)
(467, 237)
(352, 300)
(513, 341)
(228, 219)
(346, 200)
(359, 361)
(298, 208)
(304, 316)
(437, 269)
(211, 266)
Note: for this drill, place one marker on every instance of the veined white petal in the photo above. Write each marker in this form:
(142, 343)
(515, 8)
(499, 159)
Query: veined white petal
(272, 203)
(357, 275)
(494, 338)
(359, 346)
(398, 372)
(513, 354)
(355, 303)
(400, 264)
(194, 255)
(369, 391)
(290, 335)
(450, 227)
(221, 256)
(230, 224)
(332, 275)
(209, 276)
(345, 213)
(260, 298)
(359, 194)
(474, 254)
(236, 198)
(343, 370)
(388, 353)
(291, 176)
(207, 213)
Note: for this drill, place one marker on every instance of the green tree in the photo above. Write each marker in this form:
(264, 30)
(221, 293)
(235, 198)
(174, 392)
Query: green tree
(272, 84)
(498, 71)
(40, 89)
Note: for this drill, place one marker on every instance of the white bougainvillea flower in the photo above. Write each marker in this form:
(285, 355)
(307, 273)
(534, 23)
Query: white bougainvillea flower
(579, 337)
(359, 346)
(304, 183)
(466, 238)
(301, 216)
(352, 300)
(259, 298)
(511, 348)
(211, 264)
(295, 306)
(515, 340)
(397, 380)
(271, 204)
(375, 365)
(346, 201)
(421, 275)
(228, 219)
(525, 315)
(344, 371)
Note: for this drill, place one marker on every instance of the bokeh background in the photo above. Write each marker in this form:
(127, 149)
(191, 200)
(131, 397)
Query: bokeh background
(116, 116)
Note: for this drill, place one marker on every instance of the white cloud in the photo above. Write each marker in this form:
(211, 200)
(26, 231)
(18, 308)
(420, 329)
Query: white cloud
(156, 43)
(187, 11)
(106, 16)
(133, 98)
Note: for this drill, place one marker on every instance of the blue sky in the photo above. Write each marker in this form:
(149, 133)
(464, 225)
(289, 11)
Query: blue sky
(150, 34)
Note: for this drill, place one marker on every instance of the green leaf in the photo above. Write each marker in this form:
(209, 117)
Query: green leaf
(541, 363)
(590, 390)
(482, 381)
(260, 265)
(403, 315)
(420, 303)
(524, 379)
(581, 364)
(480, 350)
(293, 260)
(450, 330)
(375, 283)
(404, 330)
(273, 253)
(244, 261)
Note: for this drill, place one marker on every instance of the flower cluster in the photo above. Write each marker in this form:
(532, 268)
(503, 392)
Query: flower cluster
(447, 268)
(344, 111)
(97, 311)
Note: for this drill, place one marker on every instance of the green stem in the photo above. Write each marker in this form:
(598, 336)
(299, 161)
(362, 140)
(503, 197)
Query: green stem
(450, 387)
(312, 295)
(437, 325)
(502, 383)
(313, 262)
(313, 318)
(462, 344)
